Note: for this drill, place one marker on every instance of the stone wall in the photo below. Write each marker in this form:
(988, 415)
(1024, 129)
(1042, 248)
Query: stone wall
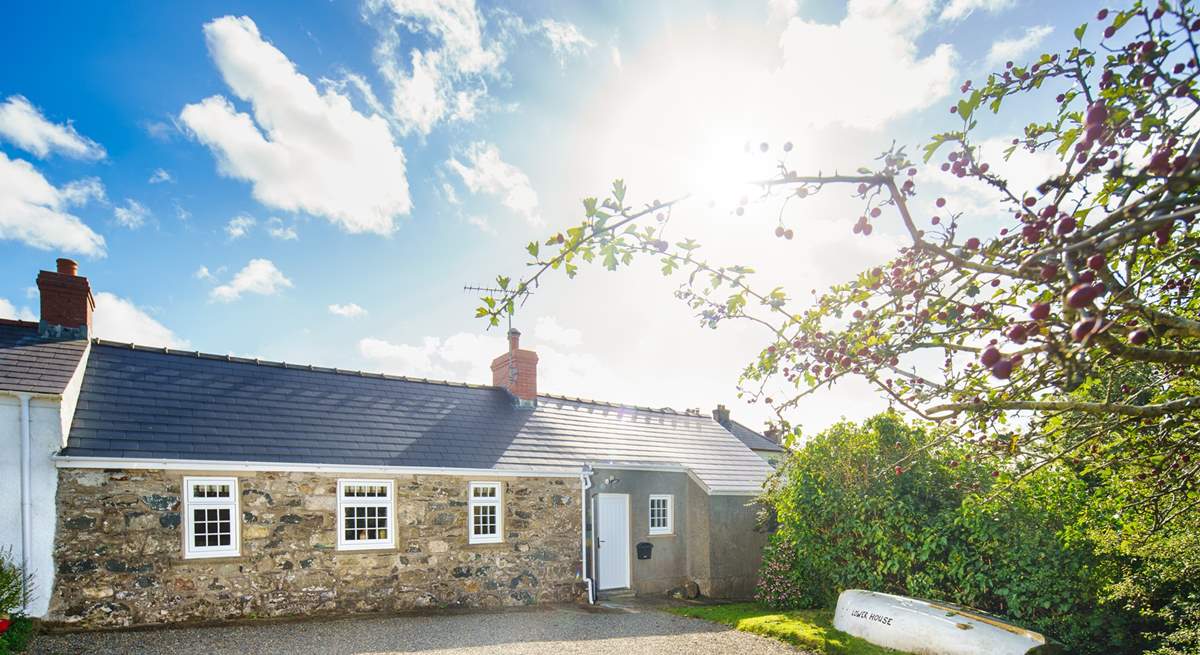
(119, 558)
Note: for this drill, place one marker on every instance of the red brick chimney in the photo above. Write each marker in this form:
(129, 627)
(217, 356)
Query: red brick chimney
(67, 302)
(516, 370)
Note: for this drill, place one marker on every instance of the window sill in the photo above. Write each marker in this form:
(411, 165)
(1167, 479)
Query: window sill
(660, 534)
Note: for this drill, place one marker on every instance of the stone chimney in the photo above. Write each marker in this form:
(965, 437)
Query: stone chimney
(67, 302)
(516, 371)
(721, 415)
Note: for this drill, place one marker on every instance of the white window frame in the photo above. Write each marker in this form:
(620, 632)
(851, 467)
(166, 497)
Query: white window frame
(473, 502)
(670, 526)
(232, 503)
(388, 504)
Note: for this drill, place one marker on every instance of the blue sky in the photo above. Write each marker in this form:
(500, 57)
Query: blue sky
(316, 182)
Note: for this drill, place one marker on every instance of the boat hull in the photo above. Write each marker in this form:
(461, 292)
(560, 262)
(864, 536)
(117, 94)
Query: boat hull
(931, 628)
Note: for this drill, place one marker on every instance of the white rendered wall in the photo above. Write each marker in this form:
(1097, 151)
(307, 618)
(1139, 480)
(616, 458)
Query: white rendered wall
(46, 439)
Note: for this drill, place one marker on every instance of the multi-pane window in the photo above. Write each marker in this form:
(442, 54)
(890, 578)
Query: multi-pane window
(486, 519)
(211, 509)
(365, 514)
(661, 511)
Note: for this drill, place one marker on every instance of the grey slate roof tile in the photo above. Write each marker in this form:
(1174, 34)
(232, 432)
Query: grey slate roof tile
(30, 363)
(152, 403)
(753, 439)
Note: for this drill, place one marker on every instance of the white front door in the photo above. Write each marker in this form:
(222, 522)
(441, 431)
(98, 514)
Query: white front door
(612, 544)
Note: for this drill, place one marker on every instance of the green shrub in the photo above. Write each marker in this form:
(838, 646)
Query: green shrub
(847, 520)
(14, 584)
(16, 638)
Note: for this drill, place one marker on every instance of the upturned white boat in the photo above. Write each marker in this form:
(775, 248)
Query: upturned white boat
(927, 627)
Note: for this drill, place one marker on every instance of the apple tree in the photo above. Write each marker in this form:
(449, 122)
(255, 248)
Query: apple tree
(1066, 333)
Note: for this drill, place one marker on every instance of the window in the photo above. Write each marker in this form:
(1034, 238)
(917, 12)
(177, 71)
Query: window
(211, 508)
(661, 514)
(484, 509)
(365, 511)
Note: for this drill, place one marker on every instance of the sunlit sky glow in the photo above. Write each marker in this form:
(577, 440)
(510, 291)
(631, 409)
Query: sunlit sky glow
(316, 183)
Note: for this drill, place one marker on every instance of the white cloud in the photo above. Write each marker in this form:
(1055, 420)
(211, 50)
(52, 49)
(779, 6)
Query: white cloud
(464, 357)
(133, 215)
(349, 310)
(1013, 49)
(9, 310)
(239, 226)
(203, 273)
(485, 172)
(565, 39)
(467, 357)
(23, 125)
(32, 211)
(81, 192)
(118, 319)
(278, 230)
(782, 9)
(160, 130)
(957, 9)
(482, 223)
(614, 53)
(450, 194)
(866, 69)
(447, 79)
(302, 150)
(260, 276)
(159, 176)
(549, 331)
(444, 81)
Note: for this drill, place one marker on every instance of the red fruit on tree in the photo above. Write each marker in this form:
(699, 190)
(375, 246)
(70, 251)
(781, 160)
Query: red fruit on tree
(989, 357)
(940, 202)
(1017, 334)
(1096, 261)
(972, 243)
(1049, 272)
(1040, 311)
(1139, 337)
(1003, 369)
(1083, 329)
(1065, 226)
(1080, 296)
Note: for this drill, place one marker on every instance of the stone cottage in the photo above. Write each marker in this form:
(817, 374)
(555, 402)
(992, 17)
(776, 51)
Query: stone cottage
(149, 485)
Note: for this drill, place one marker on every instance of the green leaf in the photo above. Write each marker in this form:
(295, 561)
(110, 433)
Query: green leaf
(619, 190)
(1079, 32)
(532, 248)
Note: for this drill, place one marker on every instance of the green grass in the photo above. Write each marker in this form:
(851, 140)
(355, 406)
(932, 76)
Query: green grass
(809, 629)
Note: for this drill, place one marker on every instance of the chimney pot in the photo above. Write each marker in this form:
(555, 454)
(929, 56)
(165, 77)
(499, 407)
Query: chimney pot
(514, 339)
(67, 266)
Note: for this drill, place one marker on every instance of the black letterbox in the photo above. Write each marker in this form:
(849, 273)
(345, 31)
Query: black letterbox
(643, 550)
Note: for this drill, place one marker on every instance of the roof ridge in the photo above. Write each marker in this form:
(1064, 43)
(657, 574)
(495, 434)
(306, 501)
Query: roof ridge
(196, 354)
(234, 359)
(16, 322)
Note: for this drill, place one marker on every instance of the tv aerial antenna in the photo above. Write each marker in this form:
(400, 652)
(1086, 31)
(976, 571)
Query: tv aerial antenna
(496, 291)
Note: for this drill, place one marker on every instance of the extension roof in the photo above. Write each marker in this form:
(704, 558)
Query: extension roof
(35, 365)
(752, 439)
(139, 402)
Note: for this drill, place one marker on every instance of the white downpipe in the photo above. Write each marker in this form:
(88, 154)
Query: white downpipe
(585, 483)
(26, 496)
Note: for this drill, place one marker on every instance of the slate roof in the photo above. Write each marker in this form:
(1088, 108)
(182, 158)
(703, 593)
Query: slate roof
(156, 403)
(29, 363)
(752, 439)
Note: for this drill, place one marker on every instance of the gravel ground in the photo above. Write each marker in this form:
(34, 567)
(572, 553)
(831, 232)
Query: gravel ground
(548, 631)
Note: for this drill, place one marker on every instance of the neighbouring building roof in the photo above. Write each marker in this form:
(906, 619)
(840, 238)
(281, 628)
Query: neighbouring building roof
(752, 439)
(30, 363)
(156, 403)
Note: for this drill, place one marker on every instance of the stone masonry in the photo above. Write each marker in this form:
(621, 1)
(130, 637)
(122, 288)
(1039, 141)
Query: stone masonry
(119, 552)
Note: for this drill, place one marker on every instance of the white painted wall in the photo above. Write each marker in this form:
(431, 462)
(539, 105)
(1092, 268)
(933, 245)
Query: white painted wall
(46, 438)
(50, 422)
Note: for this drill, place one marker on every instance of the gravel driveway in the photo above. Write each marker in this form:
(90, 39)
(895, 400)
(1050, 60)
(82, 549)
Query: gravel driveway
(544, 631)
